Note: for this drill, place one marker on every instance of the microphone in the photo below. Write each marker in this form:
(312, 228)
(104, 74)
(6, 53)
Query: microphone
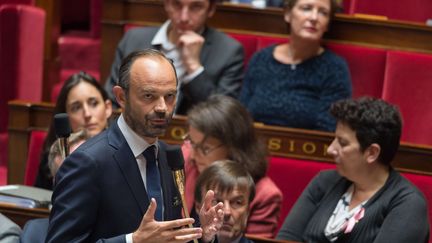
(176, 163)
(63, 130)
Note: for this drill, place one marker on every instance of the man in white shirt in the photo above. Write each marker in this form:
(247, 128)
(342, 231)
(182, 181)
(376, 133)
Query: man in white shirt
(104, 190)
(206, 60)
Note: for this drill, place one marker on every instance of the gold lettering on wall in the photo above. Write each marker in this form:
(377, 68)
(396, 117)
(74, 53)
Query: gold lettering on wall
(274, 144)
(325, 149)
(291, 147)
(309, 148)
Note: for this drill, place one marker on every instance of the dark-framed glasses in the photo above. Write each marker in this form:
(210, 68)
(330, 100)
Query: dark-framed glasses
(199, 147)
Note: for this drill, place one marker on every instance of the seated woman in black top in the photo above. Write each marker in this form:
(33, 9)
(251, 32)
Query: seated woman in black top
(88, 107)
(364, 199)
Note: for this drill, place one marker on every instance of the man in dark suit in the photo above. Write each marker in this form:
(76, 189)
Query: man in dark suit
(104, 187)
(207, 61)
(236, 189)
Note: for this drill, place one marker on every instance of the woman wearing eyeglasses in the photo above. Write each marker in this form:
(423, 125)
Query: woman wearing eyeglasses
(221, 128)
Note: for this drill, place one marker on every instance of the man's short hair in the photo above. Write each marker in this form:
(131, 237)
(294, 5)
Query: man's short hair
(225, 176)
(126, 65)
(374, 121)
(56, 149)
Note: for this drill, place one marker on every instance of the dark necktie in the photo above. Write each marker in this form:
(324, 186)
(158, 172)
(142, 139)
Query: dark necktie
(153, 180)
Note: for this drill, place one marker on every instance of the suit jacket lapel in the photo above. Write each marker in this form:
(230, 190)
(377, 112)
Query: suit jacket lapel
(128, 166)
(205, 51)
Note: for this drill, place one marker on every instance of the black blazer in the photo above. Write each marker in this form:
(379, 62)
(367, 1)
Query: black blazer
(100, 193)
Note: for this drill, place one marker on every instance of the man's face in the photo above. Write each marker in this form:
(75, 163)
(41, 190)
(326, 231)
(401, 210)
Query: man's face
(148, 106)
(236, 213)
(188, 15)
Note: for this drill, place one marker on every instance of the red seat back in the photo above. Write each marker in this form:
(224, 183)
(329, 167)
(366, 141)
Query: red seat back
(424, 183)
(292, 176)
(367, 67)
(37, 139)
(249, 43)
(265, 41)
(408, 84)
(21, 55)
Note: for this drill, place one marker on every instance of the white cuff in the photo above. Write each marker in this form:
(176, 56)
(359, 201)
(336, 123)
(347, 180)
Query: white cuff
(193, 75)
(129, 238)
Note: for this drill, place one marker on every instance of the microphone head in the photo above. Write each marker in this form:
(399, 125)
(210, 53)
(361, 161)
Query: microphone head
(175, 158)
(61, 125)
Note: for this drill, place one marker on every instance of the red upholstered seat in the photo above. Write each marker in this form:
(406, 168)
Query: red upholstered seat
(21, 55)
(265, 41)
(29, 2)
(367, 67)
(3, 157)
(37, 139)
(292, 176)
(408, 84)
(424, 183)
(249, 43)
(418, 10)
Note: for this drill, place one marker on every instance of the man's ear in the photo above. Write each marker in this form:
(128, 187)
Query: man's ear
(372, 153)
(212, 9)
(120, 95)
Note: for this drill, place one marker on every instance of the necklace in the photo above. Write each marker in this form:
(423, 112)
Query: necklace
(293, 66)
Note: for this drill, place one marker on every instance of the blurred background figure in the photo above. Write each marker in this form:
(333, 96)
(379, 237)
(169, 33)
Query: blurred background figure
(88, 107)
(234, 187)
(9, 231)
(293, 84)
(35, 230)
(364, 199)
(221, 128)
(55, 158)
(207, 61)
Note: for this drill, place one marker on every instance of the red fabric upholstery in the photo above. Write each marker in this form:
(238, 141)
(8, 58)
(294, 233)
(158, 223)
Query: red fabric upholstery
(264, 41)
(21, 55)
(3, 157)
(292, 176)
(408, 84)
(367, 67)
(33, 158)
(249, 43)
(28, 2)
(419, 10)
(82, 17)
(424, 183)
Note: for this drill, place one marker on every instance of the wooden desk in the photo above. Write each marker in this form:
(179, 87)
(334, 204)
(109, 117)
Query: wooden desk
(21, 215)
(348, 29)
(257, 239)
(284, 142)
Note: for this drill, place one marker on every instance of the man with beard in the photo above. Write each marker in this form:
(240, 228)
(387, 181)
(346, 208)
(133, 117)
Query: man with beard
(235, 188)
(206, 60)
(117, 187)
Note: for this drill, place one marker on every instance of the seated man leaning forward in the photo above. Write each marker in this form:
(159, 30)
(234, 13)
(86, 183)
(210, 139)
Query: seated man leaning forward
(206, 60)
(364, 199)
(233, 186)
(118, 187)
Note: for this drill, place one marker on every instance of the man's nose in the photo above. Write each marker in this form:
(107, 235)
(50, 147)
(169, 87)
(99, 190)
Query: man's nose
(161, 106)
(227, 209)
(184, 14)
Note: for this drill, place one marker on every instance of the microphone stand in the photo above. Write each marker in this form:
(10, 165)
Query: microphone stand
(179, 178)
